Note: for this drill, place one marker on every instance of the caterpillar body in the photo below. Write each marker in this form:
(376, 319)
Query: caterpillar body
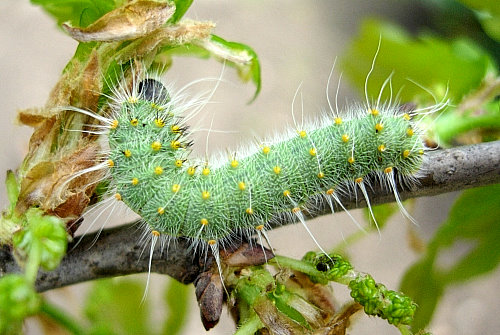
(215, 201)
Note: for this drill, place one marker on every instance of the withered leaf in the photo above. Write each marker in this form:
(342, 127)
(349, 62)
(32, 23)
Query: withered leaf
(128, 22)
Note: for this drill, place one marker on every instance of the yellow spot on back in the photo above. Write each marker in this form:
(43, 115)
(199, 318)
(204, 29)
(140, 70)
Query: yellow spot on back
(329, 191)
(204, 221)
(234, 163)
(127, 153)
(155, 233)
(295, 209)
(205, 171)
(373, 112)
(321, 175)
(302, 133)
(178, 163)
(409, 132)
(160, 210)
(286, 193)
(260, 227)
(158, 170)
(350, 160)
(191, 170)
(176, 188)
(359, 180)
(211, 242)
(381, 148)
(134, 122)
(118, 196)
(135, 181)
(175, 145)
(156, 145)
(114, 124)
(266, 150)
(277, 169)
(312, 152)
(249, 211)
(379, 127)
(338, 121)
(132, 100)
(205, 195)
(421, 152)
(406, 153)
(242, 186)
(345, 138)
(406, 116)
(388, 169)
(159, 123)
(175, 128)
(110, 163)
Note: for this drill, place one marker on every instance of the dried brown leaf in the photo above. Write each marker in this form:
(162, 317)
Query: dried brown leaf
(128, 22)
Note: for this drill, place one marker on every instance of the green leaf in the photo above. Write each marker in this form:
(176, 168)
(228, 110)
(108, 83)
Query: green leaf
(12, 189)
(78, 12)
(177, 297)
(488, 14)
(18, 299)
(473, 219)
(42, 242)
(113, 306)
(436, 64)
(181, 7)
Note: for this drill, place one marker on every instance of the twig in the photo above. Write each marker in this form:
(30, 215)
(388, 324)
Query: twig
(118, 251)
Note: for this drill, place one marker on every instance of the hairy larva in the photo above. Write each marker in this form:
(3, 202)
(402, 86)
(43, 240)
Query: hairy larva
(215, 201)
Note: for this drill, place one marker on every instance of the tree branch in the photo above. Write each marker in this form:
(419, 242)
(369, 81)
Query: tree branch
(117, 251)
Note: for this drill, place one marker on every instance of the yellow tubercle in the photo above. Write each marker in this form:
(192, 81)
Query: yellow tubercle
(312, 152)
(134, 122)
(205, 195)
(234, 163)
(203, 222)
(295, 209)
(155, 233)
(260, 227)
(421, 152)
(321, 175)
(178, 163)
(277, 169)
(110, 163)
(249, 211)
(286, 193)
(359, 180)
(329, 191)
(381, 148)
(373, 111)
(409, 132)
(175, 145)
(406, 116)
(127, 153)
(135, 181)
(379, 127)
(345, 138)
(302, 133)
(266, 150)
(338, 121)
(158, 170)
(212, 242)
(205, 171)
(114, 124)
(132, 99)
(159, 123)
(160, 210)
(242, 186)
(350, 160)
(156, 146)
(388, 169)
(191, 170)
(175, 129)
(406, 153)
(176, 188)
(118, 196)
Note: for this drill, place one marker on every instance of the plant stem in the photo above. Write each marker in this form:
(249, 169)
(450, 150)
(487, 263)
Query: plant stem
(404, 330)
(61, 317)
